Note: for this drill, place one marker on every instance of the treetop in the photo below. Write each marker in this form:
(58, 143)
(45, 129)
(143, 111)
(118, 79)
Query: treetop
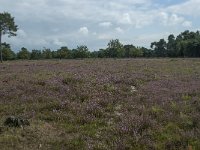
(7, 24)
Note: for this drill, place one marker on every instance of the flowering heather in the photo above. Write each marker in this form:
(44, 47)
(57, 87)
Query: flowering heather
(101, 104)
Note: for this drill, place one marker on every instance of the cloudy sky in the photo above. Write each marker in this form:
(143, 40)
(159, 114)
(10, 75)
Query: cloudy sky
(56, 23)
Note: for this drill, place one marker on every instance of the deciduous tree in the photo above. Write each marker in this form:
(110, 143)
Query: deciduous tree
(23, 54)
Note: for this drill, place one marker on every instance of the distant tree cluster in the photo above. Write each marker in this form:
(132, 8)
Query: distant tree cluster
(186, 44)
(62, 53)
(114, 50)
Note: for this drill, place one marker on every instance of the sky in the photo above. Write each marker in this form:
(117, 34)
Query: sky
(55, 23)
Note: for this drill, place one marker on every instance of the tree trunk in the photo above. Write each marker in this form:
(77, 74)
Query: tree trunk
(1, 48)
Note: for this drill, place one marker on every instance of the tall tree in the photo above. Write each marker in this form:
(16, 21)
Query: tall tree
(171, 46)
(127, 49)
(63, 52)
(7, 26)
(82, 51)
(103, 53)
(132, 51)
(115, 48)
(36, 54)
(188, 44)
(46, 53)
(23, 54)
(147, 52)
(160, 48)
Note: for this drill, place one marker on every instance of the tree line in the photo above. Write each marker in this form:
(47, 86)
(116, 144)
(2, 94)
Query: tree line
(114, 50)
(186, 44)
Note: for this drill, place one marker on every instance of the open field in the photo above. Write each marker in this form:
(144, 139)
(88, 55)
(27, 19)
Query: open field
(101, 104)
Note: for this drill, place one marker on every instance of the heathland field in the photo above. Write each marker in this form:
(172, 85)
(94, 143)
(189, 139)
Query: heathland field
(101, 104)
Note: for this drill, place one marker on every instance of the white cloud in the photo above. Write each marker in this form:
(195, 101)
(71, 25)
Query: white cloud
(21, 33)
(189, 7)
(136, 18)
(187, 24)
(119, 30)
(125, 18)
(104, 37)
(105, 24)
(84, 30)
(58, 42)
(94, 33)
(173, 20)
(164, 17)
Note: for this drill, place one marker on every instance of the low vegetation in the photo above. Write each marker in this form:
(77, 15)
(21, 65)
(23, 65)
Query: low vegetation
(101, 104)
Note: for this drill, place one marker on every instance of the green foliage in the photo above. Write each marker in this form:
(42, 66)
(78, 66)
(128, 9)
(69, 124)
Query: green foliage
(7, 53)
(136, 52)
(7, 24)
(54, 54)
(13, 121)
(132, 51)
(115, 49)
(63, 52)
(156, 111)
(186, 97)
(109, 87)
(23, 54)
(46, 53)
(160, 48)
(81, 52)
(147, 52)
(36, 54)
(103, 53)
(70, 80)
(171, 46)
(186, 44)
(169, 137)
(94, 54)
